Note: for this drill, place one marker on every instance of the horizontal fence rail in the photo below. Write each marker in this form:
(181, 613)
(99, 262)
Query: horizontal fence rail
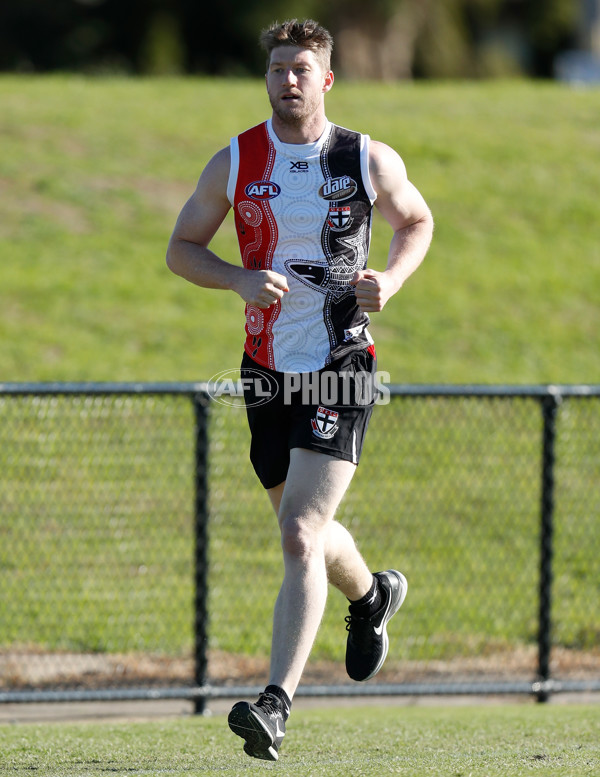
(140, 558)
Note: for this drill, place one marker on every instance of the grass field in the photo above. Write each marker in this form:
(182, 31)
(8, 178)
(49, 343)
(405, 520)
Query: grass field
(94, 171)
(477, 741)
(92, 176)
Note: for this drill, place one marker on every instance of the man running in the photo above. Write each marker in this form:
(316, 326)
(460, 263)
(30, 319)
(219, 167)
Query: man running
(302, 190)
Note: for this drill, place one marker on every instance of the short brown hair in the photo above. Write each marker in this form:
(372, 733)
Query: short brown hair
(306, 35)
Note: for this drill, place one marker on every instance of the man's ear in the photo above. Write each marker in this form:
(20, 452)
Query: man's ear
(328, 80)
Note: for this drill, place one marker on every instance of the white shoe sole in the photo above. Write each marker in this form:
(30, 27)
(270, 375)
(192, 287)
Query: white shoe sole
(259, 740)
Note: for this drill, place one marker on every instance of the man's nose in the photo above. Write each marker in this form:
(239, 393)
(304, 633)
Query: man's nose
(290, 76)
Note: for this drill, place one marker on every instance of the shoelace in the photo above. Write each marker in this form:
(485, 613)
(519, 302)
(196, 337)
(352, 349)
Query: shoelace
(270, 703)
(361, 631)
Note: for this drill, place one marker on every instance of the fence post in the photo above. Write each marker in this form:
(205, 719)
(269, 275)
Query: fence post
(549, 410)
(200, 547)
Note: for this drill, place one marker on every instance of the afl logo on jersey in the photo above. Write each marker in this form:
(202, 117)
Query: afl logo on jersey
(262, 190)
(341, 188)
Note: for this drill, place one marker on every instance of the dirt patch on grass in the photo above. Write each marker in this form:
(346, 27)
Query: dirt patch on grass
(34, 669)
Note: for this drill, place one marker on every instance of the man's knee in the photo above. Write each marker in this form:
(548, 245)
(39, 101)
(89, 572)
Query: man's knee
(300, 537)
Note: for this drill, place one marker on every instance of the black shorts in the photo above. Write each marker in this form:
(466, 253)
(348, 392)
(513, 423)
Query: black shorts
(326, 411)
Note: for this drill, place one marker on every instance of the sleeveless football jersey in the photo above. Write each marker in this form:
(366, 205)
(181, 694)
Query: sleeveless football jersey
(303, 211)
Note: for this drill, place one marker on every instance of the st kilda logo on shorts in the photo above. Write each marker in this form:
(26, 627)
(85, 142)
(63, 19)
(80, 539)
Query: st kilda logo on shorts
(325, 423)
(262, 190)
(337, 189)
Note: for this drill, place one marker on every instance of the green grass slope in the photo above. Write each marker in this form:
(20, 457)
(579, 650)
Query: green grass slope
(94, 171)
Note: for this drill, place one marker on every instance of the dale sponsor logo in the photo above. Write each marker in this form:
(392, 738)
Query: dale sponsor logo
(337, 189)
(262, 190)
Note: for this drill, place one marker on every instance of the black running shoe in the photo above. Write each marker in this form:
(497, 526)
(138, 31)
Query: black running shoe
(262, 725)
(368, 641)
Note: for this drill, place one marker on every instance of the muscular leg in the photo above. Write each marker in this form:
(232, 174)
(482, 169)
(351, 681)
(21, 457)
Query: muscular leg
(315, 547)
(346, 569)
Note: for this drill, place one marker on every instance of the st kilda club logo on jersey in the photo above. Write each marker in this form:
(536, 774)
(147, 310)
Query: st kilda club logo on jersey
(339, 218)
(325, 423)
(338, 189)
(262, 190)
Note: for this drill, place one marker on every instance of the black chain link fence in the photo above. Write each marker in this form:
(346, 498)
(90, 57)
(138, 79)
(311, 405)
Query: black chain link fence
(140, 557)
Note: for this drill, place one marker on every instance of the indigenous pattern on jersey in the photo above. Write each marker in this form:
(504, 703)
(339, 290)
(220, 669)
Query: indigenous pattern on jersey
(304, 211)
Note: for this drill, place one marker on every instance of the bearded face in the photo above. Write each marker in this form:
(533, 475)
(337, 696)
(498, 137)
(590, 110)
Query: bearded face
(296, 84)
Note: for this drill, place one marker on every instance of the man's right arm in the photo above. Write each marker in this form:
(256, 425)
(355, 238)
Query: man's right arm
(189, 256)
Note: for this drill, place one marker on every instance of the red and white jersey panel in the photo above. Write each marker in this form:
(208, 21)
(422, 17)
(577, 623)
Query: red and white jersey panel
(303, 211)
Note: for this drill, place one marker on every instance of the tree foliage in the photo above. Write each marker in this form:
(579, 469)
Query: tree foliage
(382, 39)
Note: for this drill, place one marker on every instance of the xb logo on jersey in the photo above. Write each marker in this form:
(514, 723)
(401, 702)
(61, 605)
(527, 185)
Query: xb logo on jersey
(262, 190)
(298, 167)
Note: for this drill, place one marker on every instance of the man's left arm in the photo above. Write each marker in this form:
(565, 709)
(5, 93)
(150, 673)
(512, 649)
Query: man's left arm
(405, 210)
